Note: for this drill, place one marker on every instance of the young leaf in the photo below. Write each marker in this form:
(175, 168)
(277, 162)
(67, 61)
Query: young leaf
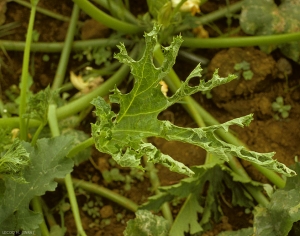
(121, 135)
(14, 161)
(47, 161)
(5, 138)
(38, 105)
(146, 224)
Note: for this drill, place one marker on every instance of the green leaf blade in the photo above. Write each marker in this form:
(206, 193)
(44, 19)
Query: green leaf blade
(48, 161)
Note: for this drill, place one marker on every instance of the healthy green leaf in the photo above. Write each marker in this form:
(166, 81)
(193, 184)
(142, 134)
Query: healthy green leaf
(284, 209)
(121, 135)
(147, 224)
(47, 161)
(266, 18)
(209, 178)
(13, 162)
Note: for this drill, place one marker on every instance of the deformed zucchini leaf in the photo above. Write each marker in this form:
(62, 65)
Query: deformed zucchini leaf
(121, 135)
(266, 18)
(13, 162)
(37, 107)
(47, 161)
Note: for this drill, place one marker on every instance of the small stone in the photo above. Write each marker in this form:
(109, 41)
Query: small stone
(106, 211)
(102, 164)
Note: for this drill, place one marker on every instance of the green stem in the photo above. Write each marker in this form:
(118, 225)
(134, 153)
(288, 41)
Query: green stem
(53, 124)
(43, 11)
(37, 133)
(246, 41)
(81, 103)
(104, 192)
(24, 76)
(64, 58)
(55, 47)
(50, 218)
(80, 147)
(106, 19)
(155, 182)
(36, 205)
(74, 204)
(113, 7)
(14, 122)
(202, 20)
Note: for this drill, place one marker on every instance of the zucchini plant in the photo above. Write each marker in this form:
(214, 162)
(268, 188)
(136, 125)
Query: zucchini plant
(30, 166)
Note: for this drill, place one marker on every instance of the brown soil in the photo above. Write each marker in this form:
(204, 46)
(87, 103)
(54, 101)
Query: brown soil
(238, 98)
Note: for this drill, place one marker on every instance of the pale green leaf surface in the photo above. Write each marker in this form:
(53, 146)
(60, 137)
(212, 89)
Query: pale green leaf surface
(48, 161)
(147, 224)
(121, 135)
(284, 209)
(241, 232)
(266, 18)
